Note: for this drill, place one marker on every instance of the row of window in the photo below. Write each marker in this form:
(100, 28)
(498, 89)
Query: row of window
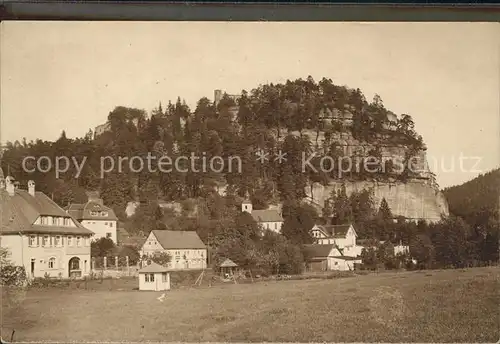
(110, 224)
(55, 221)
(151, 277)
(58, 241)
(74, 264)
(267, 225)
(98, 213)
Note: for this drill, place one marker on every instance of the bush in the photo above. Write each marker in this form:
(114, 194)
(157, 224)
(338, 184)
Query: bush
(11, 275)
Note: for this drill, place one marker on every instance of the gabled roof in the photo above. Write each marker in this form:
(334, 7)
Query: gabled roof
(20, 211)
(81, 211)
(269, 215)
(152, 268)
(228, 263)
(315, 251)
(335, 231)
(178, 239)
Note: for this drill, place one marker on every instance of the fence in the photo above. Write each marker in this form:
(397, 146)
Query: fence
(113, 267)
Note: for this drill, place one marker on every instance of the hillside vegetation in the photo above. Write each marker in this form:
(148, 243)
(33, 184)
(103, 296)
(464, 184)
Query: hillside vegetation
(266, 117)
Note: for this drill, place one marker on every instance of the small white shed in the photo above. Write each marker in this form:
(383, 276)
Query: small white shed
(154, 277)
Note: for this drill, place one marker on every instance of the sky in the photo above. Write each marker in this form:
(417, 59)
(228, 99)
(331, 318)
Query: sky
(68, 76)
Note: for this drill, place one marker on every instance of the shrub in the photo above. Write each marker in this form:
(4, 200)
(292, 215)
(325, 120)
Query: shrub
(11, 275)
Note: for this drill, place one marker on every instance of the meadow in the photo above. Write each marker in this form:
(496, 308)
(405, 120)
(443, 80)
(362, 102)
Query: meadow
(421, 306)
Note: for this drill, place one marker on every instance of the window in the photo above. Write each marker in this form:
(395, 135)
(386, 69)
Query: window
(111, 224)
(70, 241)
(67, 222)
(108, 235)
(164, 276)
(58, 241)
(45, 241)
(150, 277)
(105, 223)
(78, 241)
(33, 240)
(52, 263)
(43, 220)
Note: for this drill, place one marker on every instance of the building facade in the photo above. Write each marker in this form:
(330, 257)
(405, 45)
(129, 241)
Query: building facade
(185, 248)
(40, 235)
(267, 219)
(95, 216)
(344, 236)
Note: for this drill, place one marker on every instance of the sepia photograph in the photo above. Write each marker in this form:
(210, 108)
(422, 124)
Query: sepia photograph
(249, 181)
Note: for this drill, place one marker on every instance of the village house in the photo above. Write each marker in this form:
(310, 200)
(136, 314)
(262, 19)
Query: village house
(185, 248)
(344, 236)
(267, 219)
(334, 248)
(325, 257)
(40, 235)
(95, 216)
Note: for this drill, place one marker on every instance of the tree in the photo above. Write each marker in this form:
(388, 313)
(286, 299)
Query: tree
(423, 251)
(450, 240)
(103, 247)
(384, 212)
(161, 258)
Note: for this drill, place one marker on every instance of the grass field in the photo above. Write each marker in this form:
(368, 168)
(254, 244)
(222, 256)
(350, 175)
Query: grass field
(428, 306)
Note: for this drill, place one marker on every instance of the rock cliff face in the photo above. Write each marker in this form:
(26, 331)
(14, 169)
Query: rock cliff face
(413, 199)
(417, 198)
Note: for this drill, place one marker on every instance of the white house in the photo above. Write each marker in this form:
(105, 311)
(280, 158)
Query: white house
(325, 257)
(95, 216)
(267, 219)
(334, 248)
(344, 236)
(40, 235)
(185, 248)
(154, 277)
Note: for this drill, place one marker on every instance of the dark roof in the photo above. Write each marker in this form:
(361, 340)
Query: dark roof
(20, 211)
(269, 215)
(178, 239)
(315, 251)
(82, 211)
(335, 231)
(152, 268)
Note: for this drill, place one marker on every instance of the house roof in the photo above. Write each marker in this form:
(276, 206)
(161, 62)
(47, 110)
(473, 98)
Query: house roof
(316, 251)
(152, 268)
(82, 211)
(20, 211)
(335, 231)
(268, 215)
(178, 239)
(228, 263)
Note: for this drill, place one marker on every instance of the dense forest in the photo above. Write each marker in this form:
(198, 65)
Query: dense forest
(266, 118)
(270, 117)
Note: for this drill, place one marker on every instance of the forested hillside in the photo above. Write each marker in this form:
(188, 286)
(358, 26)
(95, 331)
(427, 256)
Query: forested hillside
(266, 118)
(477, 201)
(273, 118)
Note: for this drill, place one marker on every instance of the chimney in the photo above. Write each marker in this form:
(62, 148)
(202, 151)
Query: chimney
(9, 185)
(31, 188)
